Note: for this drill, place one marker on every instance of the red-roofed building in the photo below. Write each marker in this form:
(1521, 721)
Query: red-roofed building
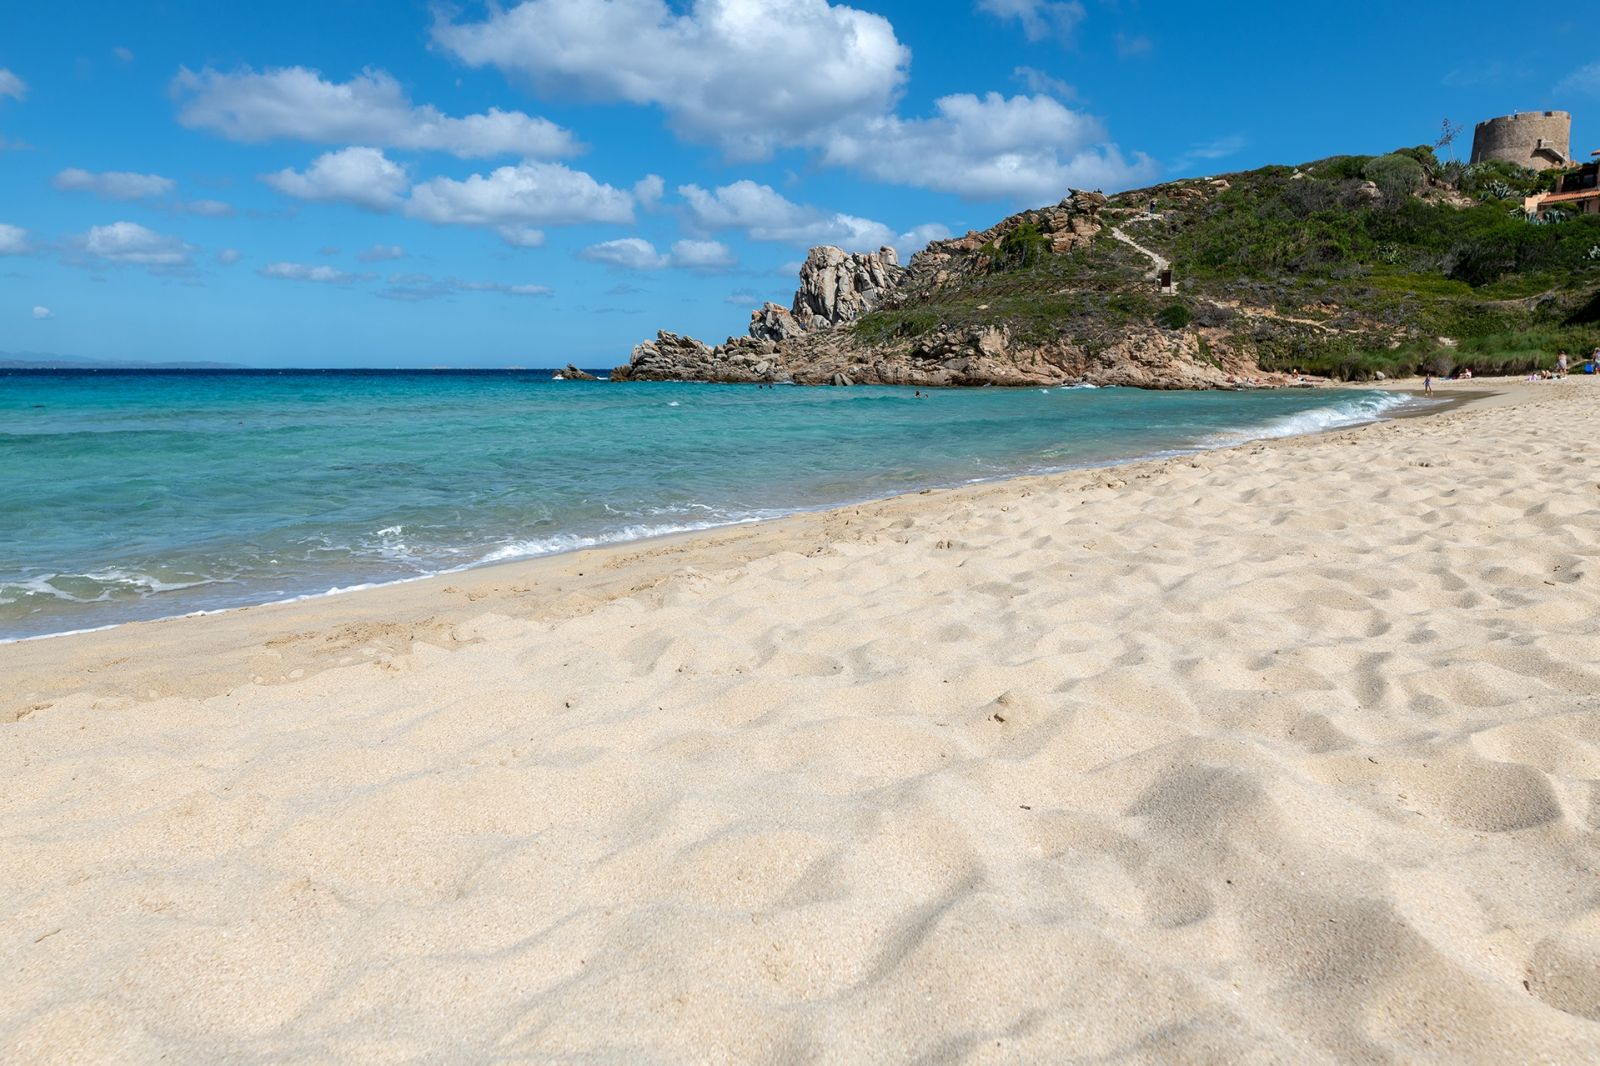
(1577, 192)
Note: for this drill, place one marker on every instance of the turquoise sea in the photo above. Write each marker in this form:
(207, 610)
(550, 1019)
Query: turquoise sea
(131, 495)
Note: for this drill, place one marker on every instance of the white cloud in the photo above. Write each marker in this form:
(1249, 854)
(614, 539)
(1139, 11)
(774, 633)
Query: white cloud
(1041, 83)
(754, 75)
(502, 289)
(764, 214)
(636, 253)
(1207, 151)
(207, 208)
(13, 240)
(522, 236)
(298, 104)
(702, 255)
(628, 253)
(1585, 81)
(43, 312)
(131, 243)
(1040, 18)
(114, 184)
(229, 256)
(360, 176)
(910, 243)
(11, 85)
(124, 54)
(321, 274)
(380, 253)
(413, 288)
(1133, 45)
(528, 193)
(648, 190)
(743, 298)
(747, 75)
(1027, 148)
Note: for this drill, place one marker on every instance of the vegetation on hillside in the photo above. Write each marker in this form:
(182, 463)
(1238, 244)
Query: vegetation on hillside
(1346, 266)
(1035, 294)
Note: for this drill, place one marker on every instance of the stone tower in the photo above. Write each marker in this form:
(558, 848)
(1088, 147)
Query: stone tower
(1536, 139)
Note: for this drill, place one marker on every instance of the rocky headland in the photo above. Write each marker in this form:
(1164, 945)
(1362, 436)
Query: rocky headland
(1348, 268)
(814, 341)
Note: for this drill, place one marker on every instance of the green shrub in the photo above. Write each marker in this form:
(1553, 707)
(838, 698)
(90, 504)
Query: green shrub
(1396, 176)
(1496, 179)
(1588, 314)
(1513, 352)
(1024, 246)
(1173, 316)
(888, 325)
(1339, 167)
(1421, 284)
(1424, 155)
(1128, 305)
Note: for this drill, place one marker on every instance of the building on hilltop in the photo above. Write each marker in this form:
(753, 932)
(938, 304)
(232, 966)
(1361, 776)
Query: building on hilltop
(1536, 139)
(1577, 192)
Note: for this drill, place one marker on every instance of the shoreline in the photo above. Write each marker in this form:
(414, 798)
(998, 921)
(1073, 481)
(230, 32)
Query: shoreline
(1446, 404)
(1281, 752)
(442, 601)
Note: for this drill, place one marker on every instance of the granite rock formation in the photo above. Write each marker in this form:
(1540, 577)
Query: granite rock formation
(813, 342)
(838, 286)
(774, 323)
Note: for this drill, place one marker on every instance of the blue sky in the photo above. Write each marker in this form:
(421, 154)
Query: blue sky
(363, 183)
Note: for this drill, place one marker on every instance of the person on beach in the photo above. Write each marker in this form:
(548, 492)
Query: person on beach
(1561, 363)
(1427, 385)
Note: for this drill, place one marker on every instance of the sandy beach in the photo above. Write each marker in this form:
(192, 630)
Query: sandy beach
(1284, 753)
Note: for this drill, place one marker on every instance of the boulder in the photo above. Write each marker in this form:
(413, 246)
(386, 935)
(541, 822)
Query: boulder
(570, 372)
(838, 286)
(774, 323)
(1086, 203)
(673, 358)
(667, 357)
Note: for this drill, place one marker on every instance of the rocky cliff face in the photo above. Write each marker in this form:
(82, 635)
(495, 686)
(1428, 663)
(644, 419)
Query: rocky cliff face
(673, 358)
(838, 287)
(813, 342)
(992, 355)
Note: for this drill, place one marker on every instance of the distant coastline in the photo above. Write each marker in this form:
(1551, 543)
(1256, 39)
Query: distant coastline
(45, 366)
(41, 361)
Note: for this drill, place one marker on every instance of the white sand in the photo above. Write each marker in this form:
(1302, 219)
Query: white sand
(1289, 753)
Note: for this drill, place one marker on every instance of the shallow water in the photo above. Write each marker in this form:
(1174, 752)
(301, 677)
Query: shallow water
(141, 495)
